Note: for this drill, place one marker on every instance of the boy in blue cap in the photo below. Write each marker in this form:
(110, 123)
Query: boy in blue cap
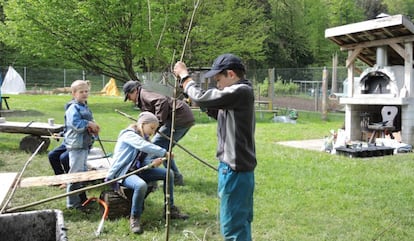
(232, 104)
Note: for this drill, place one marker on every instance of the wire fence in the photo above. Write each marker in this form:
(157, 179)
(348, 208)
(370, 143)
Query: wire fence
(50, 78)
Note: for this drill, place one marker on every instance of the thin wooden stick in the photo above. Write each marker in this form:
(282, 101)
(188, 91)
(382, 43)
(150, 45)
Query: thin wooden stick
(61, 137)
(176, 143)
(189, 30)
(80, 190)
(20, 176)
(167, 183)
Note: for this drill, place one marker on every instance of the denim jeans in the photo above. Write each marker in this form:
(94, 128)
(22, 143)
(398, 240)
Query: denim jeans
(236, 203)
(155, 174)
(59, 159)
(77, 163)
(163, 142)
(139, 186)
(138, 183)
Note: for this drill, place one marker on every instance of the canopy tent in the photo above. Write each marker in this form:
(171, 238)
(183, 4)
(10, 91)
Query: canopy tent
(13, 83)
(110, 88)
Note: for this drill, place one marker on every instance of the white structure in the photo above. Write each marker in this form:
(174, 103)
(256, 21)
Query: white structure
(13, 83)
(385, 44)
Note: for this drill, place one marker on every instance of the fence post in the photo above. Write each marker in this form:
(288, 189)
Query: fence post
(324, 93)
(64, 77)
(271, 91)
(334, 88)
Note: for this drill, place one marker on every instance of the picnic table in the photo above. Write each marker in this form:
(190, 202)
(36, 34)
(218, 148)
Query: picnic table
(35, 131)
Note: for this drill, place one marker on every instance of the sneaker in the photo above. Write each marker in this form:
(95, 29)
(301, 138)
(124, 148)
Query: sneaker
(178, 179)
(176, 214)
(135, 225)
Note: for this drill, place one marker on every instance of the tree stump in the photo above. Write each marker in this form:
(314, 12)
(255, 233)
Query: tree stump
(31, 143)
(118, 206)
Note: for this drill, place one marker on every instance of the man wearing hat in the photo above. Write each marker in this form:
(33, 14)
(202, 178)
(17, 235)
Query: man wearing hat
(162, 106)
(232, 104)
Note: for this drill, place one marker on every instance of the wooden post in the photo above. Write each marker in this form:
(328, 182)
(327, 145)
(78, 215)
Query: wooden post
(271, 87)
(334, 87)
(324, 94)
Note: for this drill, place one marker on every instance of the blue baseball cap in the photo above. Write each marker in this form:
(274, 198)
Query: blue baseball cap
(223, 62)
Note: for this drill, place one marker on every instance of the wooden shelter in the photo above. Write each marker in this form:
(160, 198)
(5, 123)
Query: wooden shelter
(380, 43)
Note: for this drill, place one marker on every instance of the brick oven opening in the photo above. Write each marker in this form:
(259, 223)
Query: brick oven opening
(375, 83)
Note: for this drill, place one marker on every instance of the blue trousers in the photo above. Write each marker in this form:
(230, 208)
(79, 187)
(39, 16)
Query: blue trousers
(235, 190)
(159, 140)
(139, 186)
(77, 162)
(59, 159)
(138, 183)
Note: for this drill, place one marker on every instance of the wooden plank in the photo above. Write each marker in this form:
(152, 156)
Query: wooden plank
(33, 128)
(6, 183)
(63, 178)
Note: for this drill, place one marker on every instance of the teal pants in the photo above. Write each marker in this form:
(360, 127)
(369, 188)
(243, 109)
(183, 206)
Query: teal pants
(235, 190)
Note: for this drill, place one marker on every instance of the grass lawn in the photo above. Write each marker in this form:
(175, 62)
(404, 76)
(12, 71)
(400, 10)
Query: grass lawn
(300, 194)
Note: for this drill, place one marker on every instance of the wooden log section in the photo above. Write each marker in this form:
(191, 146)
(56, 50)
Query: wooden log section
(63, 178)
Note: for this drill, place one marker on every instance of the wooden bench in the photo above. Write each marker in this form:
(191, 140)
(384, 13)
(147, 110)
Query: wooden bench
(35, 130)
(267, 104)
(262, 111)
(4, 98)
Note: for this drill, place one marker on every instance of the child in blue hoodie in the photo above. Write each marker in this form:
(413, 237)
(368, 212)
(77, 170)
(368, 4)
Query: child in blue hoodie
(79, 136)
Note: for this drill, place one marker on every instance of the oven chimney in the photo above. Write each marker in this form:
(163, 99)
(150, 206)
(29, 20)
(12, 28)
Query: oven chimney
(382, 56)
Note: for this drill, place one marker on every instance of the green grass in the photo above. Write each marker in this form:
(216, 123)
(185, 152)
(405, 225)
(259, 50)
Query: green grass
(300, 194)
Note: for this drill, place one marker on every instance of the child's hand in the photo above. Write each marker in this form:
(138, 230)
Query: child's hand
(93, 128)
(157, 162)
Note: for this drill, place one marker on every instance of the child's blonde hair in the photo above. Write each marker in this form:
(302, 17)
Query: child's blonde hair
(78, 84)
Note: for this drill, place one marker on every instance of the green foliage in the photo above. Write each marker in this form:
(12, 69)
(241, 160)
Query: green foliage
(264, 87)
(285, 88)
(405, 7)
(280, 87)
(119, 39)
(112, 38)
(230, 26)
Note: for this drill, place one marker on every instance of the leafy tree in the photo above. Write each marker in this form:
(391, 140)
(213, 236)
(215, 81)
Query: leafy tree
(109, 37)
(288, 44)
(232, 26)
(119, 38)
(405, 7)
(372, 7)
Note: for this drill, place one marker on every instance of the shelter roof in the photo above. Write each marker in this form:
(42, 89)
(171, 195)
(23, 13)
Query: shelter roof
(368, 35)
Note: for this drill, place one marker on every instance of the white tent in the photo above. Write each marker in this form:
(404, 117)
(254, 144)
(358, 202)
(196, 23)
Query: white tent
(13, 83)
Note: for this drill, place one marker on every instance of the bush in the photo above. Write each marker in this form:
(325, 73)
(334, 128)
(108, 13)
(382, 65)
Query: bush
(281, 87)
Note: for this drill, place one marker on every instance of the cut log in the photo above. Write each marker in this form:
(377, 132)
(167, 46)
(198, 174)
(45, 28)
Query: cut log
(63, 178)
(31, 142)
(118, 206)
